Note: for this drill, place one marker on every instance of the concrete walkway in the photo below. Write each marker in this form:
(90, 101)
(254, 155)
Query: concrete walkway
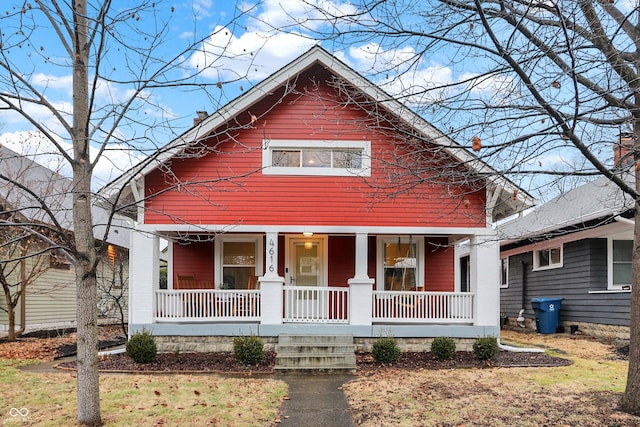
(315, 401)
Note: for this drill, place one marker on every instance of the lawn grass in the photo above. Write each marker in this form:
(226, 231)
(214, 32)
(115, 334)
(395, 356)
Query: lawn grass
(583, 394)
(141, 400)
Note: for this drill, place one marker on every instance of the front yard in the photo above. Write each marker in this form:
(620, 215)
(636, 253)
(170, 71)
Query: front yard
(582, 394)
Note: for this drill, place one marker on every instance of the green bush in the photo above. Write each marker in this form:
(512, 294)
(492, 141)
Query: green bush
(443, 348)
(385, 350)
(485, 348)
(249, 350)
(141, 347)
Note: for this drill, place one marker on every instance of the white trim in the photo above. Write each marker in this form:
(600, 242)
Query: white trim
(297, 144)
(217, 253)
(319, 229)
(612, 291)
(419, 256)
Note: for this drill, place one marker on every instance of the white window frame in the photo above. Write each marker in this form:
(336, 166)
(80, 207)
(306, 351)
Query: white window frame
(419, 255)
(217, 253)
(610, 261)
(536, 258)
(503, 262)
(268, 146)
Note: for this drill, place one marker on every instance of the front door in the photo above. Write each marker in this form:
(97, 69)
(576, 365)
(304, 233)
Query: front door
(307, 270)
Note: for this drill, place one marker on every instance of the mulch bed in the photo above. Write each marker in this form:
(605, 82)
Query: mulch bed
(225, 362)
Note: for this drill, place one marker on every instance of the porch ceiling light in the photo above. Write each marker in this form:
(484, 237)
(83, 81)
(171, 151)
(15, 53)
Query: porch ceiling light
(307, 233)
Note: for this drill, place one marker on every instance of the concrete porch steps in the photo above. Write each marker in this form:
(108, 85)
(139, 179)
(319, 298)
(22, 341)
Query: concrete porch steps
(315, 353)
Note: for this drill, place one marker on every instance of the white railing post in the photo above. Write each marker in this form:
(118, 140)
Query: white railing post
(485, 278)
(144, 276)
(361, 286)
(271, 285)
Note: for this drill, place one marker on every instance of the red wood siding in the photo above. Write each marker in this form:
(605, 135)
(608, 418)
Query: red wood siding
(342, 251)
(195, 259)
(439, 265)
(227, 187)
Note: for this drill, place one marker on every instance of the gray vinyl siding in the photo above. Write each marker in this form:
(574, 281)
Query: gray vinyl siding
(584, 269)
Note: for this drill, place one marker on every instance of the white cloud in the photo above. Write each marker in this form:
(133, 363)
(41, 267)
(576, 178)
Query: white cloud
(252, 55)
(54, 82)
(310, 14)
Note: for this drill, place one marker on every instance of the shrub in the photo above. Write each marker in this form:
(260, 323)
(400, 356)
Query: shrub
(485, 348)
(249, 350)
(443, 348)
(385, 350)
(141, 347)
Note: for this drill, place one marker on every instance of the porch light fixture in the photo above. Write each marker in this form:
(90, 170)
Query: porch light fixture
(307, 233)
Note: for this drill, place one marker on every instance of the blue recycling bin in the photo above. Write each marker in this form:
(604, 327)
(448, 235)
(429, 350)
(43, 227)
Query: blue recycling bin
(547, 311)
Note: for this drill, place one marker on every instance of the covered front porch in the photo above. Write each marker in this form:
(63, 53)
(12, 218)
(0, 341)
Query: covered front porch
(404, 297)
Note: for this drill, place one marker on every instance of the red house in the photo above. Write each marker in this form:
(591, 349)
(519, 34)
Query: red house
(316, 203)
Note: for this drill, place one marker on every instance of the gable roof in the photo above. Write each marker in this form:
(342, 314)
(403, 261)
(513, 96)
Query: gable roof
(508, 197)
(595, 200)
(54, 191)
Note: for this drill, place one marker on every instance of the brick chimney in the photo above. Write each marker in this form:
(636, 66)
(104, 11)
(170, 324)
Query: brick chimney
(201, 115)
(623, 152)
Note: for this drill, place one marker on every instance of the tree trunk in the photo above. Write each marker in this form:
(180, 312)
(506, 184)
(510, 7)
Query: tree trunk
(11, 316)
(630, 401)
(88, 392)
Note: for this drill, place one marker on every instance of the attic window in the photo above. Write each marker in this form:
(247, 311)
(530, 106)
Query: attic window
(301, 157)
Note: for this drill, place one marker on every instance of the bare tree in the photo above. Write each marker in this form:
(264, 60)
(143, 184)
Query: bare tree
(113, 51)
(113, 287)
(541, 90)
(22, 262)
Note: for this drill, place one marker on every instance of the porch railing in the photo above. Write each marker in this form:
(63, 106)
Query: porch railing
(315, 304)
(422, 307)
(207, 304)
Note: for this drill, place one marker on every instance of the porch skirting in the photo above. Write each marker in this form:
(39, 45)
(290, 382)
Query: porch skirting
(219, 337)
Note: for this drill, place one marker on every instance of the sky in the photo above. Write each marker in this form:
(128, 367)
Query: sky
(234, 55)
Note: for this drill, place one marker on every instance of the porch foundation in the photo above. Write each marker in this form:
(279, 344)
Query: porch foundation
(219, 337)
(206, 344)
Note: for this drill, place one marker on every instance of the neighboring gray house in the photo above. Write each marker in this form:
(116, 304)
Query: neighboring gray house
(576, 247)
(49, 276)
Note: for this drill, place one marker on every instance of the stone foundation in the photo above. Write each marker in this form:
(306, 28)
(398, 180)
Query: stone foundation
(607, 332)
(208, 344)
(413, 344)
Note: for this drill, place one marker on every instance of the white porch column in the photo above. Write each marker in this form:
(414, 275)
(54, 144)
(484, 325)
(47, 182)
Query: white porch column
(271, 285)
(361, 286)
(485, 277)
(144, 277)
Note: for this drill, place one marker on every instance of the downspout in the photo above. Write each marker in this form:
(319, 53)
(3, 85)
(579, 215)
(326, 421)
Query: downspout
(521, 318)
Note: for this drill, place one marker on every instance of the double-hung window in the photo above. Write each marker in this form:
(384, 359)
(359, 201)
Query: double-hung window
(237, 261)
(316, 157)
(620, 264)
(400, 263)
